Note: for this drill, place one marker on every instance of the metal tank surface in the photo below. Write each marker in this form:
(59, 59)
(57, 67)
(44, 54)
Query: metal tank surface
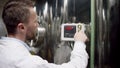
(107, 33)
(52, 14)
(105, 20)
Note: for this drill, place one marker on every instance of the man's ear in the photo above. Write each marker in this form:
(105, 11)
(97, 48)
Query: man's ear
(21, 27)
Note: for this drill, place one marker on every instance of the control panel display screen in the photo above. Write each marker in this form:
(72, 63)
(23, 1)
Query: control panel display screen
(69, 31)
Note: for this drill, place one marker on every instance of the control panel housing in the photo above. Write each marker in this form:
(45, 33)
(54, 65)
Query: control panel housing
(69, 29)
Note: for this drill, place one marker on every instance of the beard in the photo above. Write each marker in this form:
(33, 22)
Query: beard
(31, 35)
(36, 36)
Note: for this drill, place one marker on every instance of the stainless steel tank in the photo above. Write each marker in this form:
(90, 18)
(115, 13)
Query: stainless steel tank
(106, 33)
(52, 14)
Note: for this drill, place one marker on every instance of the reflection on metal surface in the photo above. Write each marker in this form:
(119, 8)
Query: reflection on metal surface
(40, 34)
(103, 32)
(114, 20)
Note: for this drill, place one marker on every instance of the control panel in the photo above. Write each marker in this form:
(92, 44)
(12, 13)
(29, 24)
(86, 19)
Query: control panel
(69, 29)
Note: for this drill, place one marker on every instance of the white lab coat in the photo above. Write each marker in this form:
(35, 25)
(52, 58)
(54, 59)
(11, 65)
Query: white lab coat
(15, 54)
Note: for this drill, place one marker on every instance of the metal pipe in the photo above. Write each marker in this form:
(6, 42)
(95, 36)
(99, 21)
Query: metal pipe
(92, 34)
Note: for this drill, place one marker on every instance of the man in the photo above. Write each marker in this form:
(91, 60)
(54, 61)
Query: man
(21, 23)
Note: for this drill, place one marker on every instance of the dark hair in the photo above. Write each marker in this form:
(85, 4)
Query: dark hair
(15, 12)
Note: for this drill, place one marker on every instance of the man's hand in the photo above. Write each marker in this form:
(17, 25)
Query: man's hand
(80, 36)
